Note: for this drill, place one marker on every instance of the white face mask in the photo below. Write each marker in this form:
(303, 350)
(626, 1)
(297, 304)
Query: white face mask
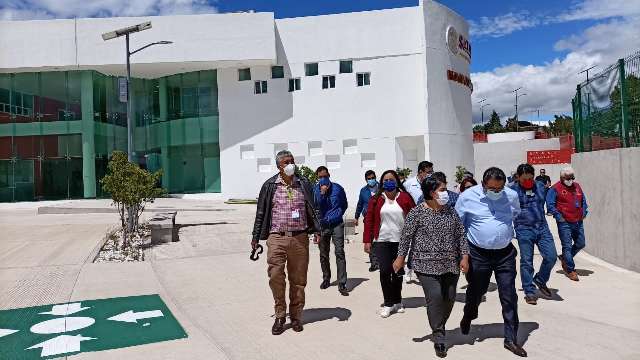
(290, 169)
(443, 197)
(568, 182)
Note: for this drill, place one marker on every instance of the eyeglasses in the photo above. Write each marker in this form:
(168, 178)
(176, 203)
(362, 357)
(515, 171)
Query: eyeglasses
(572, 177)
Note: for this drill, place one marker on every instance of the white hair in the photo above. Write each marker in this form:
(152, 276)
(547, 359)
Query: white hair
(567, 171)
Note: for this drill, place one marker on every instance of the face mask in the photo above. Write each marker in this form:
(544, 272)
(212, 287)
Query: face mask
(290, 169)
(527, 184)
(324, 181)
(372, 183)
(389, 185)
(443, 197)
(568, 182)
(492, 195)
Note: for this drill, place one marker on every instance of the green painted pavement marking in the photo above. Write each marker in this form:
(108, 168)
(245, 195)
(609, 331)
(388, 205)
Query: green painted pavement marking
(49, 331)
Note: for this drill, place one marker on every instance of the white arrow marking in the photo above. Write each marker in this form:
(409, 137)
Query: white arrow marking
(133, 317)
(65, 309)
(5, 332)
(62, 344)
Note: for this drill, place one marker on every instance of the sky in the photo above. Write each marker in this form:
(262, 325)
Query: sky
(539, 45)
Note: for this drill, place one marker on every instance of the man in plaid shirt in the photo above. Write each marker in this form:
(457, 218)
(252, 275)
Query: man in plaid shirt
(285, 216)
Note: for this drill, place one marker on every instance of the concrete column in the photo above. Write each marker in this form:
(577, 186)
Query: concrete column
(88, 136)
(165, 132)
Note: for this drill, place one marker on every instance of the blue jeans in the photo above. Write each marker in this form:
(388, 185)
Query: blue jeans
(527, 238)
(572, 240)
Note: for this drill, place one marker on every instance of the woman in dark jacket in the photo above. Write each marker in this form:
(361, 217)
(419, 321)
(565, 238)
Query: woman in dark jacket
(439, 250)
(383, 225)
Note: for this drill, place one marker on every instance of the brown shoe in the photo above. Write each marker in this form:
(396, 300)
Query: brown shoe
(278, 326)
(296, 325)
(573, 276)
(531, 300)
(563, 263)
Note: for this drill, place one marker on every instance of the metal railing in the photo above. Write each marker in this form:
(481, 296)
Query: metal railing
(606, 108)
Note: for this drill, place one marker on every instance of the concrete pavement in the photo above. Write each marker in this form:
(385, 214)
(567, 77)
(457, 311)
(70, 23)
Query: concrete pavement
(224, 303)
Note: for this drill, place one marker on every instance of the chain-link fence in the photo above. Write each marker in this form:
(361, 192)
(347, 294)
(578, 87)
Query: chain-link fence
(606, 107)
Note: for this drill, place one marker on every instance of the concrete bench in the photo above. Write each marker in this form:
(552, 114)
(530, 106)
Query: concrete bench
(163, 227)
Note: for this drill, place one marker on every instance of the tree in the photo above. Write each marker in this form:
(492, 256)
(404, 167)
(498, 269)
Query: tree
(632, 92)
(131, 188)
(308, 173)
(403, 173)
(494, 125)
(511, 125)
(561, 125)
(460, 171)
(478, 128)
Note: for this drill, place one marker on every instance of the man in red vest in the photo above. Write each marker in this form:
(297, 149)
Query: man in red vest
(568, 205)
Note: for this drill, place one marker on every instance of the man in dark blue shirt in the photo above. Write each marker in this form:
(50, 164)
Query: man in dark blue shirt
(331, 200)
(363, 201)
(532, 229)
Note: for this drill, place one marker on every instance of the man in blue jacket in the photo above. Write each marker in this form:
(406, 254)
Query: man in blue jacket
(532, 229)
(363, 200)
(331, 201)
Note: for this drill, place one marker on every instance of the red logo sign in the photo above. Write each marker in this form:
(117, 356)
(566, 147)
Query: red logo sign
(460, 78)
(549, 157)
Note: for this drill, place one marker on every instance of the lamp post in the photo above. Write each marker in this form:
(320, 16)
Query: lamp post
(126, 32)
(516, 105)
(482, 111)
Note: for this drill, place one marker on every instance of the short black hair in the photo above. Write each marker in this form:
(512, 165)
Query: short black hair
(369, 173)
(321, 168)
(440, 176)
(525, 169)
(430, 185)
(493, 173)
(424, 165)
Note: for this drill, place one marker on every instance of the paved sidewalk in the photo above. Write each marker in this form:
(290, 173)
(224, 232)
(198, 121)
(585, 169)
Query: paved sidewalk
(224, 303)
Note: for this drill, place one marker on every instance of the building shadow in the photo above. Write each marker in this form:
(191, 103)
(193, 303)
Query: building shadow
(482, 332)
(311, 316)
(580, 272)
(180, 226)
(491, 288)
(418, 301)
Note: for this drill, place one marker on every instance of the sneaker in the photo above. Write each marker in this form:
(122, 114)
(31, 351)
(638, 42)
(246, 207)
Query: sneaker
(399, 308)
(385, 312)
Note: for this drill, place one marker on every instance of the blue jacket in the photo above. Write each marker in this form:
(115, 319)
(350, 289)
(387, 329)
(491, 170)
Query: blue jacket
(531, 206)
(332, 204)
(363, 201)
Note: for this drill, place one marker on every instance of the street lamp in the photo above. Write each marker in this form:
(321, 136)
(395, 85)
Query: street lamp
(482, 111)
(517, 96)
(125, 32)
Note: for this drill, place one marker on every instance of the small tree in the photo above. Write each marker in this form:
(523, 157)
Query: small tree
(308, 173)
(131, 188)
(404, 173)
(494, 125)
(460, 170)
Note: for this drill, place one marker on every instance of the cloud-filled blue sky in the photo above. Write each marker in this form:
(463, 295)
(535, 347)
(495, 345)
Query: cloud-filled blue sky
(540, 45)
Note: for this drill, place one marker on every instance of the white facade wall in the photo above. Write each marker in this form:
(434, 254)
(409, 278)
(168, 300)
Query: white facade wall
(410, 112)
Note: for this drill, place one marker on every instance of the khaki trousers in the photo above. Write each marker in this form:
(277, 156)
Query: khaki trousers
(292, 252)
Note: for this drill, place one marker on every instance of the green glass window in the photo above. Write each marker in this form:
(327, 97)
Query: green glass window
(363, 79)
(346, 66)
(277, 72)
(260, 87)
(328, 81)
(244, 74)
(294, 84)
(311, 69)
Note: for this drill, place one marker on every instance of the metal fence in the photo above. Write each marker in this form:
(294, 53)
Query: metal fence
(606, 108)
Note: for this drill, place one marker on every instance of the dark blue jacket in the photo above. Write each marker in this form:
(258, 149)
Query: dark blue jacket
(332, 204)
(532, 206)
(363, 201)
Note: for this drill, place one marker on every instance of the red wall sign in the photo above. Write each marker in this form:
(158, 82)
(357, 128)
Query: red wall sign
(460, 78)
(549, 157)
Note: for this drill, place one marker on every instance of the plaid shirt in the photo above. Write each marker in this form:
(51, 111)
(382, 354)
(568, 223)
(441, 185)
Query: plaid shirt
(286, 200)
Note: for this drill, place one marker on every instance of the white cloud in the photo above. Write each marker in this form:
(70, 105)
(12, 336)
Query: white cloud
(45, 9)
(551, 86)
(502, 25)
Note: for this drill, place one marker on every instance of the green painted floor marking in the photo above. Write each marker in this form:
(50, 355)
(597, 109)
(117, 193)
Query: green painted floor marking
(51, 331)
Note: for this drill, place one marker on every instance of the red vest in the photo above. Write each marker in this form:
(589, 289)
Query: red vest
(569, 201)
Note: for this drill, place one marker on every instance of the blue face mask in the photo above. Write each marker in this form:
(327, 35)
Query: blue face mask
(324, 181)
(389, 185)
(372, 183)
(492, 195)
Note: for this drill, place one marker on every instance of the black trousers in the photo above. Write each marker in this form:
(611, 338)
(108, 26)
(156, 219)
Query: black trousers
(337, 235)
(391, 283)
(501, 262)
(440, 293)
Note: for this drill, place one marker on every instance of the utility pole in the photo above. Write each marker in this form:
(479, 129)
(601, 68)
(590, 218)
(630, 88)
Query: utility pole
(516, 105)
(482, 111)
(482, 108)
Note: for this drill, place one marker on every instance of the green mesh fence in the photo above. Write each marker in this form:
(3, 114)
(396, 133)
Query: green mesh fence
(607, 107)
